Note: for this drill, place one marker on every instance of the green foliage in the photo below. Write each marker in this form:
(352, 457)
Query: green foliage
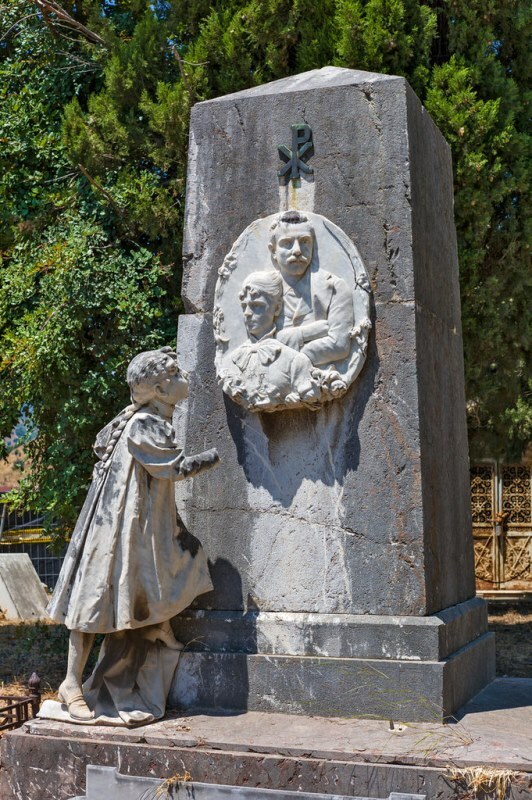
(491, 158)
(90, 196)
(388, 36)
(74, 311)
(92, 179)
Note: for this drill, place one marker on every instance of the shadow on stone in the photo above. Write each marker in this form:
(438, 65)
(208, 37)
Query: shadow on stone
(197, 684)
(280, 450)
(500, 694)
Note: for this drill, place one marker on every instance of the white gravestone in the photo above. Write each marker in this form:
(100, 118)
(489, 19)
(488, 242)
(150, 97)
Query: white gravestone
(22, 596)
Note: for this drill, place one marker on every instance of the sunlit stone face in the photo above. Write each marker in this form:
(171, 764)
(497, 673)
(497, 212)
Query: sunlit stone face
(259, 311)
(294, 244)
(175, 386)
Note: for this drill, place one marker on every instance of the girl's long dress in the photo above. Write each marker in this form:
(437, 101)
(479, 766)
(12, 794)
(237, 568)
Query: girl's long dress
(130, 562)
(130, 565)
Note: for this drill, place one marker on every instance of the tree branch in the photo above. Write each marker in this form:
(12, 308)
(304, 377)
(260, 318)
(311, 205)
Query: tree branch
(49, 9)
(99, 187)
(184, 75)
(17, 23)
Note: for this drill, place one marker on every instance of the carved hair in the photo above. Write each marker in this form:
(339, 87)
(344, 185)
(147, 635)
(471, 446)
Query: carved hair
(146, 369)
(143, 373)
(267, 282)
(291, 217)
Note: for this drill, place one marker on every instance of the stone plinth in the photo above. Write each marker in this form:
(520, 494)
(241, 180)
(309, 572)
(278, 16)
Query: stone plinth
(340, 539)
(364, 758)
(109, 782)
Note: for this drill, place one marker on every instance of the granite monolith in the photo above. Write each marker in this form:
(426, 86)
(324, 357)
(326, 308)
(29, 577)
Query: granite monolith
(339, 538)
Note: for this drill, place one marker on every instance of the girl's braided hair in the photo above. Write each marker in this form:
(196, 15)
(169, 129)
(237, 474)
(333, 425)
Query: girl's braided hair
(143, 372)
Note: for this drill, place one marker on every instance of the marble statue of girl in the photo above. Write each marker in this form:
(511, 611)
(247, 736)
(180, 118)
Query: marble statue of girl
(131, 566)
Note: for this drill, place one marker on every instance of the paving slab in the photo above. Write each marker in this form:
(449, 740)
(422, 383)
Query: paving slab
(494, 728)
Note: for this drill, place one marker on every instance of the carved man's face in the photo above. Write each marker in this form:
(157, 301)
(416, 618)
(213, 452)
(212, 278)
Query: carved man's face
(259, 311)
(293, 248)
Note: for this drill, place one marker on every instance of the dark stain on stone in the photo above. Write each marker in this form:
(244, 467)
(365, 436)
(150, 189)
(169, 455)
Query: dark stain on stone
(141, 609)
(187, 541)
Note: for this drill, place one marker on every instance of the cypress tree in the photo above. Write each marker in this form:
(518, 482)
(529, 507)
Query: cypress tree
(95, 99)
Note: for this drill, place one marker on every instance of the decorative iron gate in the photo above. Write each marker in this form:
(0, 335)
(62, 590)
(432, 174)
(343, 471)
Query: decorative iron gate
(501, 502)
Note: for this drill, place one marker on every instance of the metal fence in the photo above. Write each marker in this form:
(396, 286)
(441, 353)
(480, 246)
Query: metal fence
(24, 533)
(14, 711)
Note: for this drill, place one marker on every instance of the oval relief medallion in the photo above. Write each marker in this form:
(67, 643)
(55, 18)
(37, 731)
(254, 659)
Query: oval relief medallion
(291, 313)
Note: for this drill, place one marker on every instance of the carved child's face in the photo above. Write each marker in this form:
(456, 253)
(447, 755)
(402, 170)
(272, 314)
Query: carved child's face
(173, 387)
(293, 249)
(260, 310)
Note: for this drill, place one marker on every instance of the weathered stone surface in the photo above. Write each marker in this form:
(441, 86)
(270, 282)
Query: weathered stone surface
(361, 508)
(306, 754)
(108, 782)
(441, 397)
(130, 566)
(412, 691)
(369, 498)
(338, 636)
(22, 595)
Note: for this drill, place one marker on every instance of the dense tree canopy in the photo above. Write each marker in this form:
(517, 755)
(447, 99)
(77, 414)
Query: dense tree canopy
(94, 105)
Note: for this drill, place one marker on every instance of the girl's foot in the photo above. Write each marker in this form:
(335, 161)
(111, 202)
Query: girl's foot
(72, 698)
(164, 634)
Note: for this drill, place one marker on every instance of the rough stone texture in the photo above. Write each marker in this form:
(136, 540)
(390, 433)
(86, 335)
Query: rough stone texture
(413, 691)
(307, 754)
(22, 594)
(369, 499)
(441, 397)
(363, 507)
(108, 782)
(339, 636)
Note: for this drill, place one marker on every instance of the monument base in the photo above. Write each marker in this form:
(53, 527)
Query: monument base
(415, 669)
(364, 758)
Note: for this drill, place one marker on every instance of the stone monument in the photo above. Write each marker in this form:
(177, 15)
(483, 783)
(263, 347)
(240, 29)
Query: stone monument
(323, 337)
(338, 527)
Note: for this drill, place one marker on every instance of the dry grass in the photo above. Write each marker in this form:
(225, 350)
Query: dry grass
(512, 625)
(17, 688)
(179, 777)
(39, 647)
(168, 787)
(484, 782)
